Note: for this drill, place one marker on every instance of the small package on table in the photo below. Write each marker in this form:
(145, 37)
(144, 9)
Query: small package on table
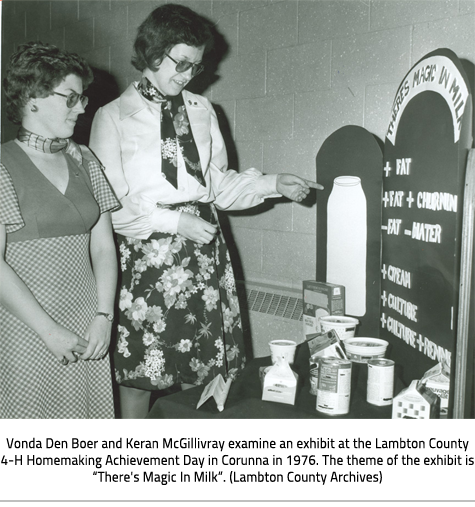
(437, 380)
(416, 402)
(320, 299)
(325, 345)
(280, 383)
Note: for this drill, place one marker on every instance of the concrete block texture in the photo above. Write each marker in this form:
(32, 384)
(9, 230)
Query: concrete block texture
(222, 8)
(93, 8)
(79, 37)
(247, 246)
(99, 58)
(304, 215)
(271, 215)
(331, 19)
(290, 253)
(120, 58)
(111, 28)
(296, 156)
(137, 12)
(301, 68)
(457, 34)
(63, 13)
(466, 6)
(249, 154)
(387, 14)
(37, 23)
(371, 58)
(56, 37)
(272, 26)
(14, 28)
(264, 118)
(241, 77)
(318, 114)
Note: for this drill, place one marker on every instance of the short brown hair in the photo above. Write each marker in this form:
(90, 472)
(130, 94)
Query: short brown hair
(166, 27)
(35, 70)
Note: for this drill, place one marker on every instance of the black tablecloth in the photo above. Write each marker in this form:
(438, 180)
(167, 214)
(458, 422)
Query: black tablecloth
(244, 399)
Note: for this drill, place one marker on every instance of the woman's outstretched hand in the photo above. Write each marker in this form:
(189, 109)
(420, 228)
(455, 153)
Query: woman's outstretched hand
(295, 188)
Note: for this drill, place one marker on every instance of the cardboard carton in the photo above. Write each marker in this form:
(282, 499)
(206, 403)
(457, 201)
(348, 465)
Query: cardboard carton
(325, 345)
(416, 402)
(437, 380)
(320, 299)
(280, 384)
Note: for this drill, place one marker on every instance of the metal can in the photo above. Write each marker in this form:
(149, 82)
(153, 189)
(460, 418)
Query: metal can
(334, 386)
(380, 382)
(314, 367)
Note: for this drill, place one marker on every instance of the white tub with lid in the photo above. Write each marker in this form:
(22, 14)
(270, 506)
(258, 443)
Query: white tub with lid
(363, 349)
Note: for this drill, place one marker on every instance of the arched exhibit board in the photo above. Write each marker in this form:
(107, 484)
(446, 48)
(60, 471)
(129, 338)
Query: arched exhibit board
(349, 166)
(425, 156)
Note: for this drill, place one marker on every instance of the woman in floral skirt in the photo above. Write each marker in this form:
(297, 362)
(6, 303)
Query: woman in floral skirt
(166, 160)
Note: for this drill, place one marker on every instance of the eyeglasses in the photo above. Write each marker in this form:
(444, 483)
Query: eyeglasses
(183, 66)
(73, 98)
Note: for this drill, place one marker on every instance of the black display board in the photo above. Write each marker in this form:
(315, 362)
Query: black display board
(353, 151)
(425, 155)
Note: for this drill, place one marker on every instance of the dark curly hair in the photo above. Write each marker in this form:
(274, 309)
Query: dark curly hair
(164, 28)
(35, 70)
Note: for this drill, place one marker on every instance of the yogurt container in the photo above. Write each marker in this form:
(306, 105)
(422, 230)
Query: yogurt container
(361, 350)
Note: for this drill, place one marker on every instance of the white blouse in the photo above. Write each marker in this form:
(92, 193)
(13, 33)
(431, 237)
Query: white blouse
(125, 136)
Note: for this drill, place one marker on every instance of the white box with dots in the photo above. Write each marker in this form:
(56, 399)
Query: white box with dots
(416, 402)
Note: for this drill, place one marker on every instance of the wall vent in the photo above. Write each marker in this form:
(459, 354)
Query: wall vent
(271, 300)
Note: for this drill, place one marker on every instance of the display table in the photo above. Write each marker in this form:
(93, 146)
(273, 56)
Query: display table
(244, 399)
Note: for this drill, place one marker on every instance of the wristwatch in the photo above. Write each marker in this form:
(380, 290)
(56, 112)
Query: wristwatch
(108, 316)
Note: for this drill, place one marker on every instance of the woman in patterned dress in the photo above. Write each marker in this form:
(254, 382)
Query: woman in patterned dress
(165, 157)
(55, 307)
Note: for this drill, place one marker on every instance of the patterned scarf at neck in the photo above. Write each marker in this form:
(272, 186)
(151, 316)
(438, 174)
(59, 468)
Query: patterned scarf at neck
(49, 145)
(176, 134)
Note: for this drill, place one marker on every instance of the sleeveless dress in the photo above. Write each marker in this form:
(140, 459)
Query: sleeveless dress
(48, 236)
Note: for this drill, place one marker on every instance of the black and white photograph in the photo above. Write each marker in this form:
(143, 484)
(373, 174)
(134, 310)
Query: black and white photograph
(237, 244)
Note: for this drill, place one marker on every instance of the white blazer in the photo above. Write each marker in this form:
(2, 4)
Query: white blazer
(125, 137)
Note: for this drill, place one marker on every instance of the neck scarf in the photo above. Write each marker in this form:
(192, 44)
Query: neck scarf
(49, 145)
(176, 134)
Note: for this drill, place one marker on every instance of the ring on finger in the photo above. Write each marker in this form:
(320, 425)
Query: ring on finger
(64, 361)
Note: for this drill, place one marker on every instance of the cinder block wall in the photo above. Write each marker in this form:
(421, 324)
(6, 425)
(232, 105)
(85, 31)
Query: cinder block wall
(296, 71)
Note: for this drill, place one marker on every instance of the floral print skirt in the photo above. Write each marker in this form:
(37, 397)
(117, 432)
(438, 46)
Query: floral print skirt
(179, 319)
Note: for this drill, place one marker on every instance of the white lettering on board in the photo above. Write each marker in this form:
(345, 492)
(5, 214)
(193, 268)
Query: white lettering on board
(403, 307)
(408, 335)
(432, 350)
(437, 201)
(393, 198)
(394, 225)
(399, 276)
(430, 233)
(438, 74)
(403, 166)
